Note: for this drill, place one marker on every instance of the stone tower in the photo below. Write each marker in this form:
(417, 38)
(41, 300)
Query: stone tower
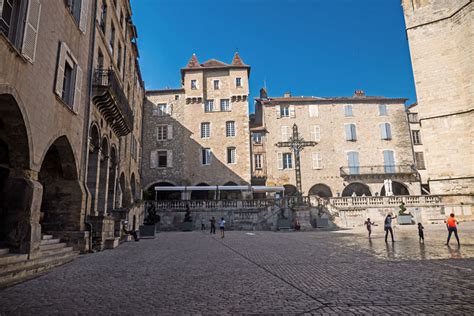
(441, 39)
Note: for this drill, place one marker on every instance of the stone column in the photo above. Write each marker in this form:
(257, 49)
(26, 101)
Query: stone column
(103, 185)
(93, 169)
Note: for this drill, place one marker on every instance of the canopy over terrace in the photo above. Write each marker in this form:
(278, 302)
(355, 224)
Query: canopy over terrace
(217, 189)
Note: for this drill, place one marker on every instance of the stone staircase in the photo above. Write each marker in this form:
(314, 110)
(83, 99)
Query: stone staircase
(15, 268)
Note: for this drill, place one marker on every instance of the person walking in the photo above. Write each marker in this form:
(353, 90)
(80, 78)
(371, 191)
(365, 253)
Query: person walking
(388, 226)
(203, 226)
(451, 223)
(421, 234)
(222, 226)
(213, 225)
(369, 224)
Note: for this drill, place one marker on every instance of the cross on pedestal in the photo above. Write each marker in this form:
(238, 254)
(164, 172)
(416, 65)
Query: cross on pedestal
(297, 144)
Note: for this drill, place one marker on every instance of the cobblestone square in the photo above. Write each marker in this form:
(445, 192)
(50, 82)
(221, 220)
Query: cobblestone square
(338, 272)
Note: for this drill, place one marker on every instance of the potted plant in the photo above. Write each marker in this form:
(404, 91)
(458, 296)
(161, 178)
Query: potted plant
(148, 229)
(187, 224)
(404, 217)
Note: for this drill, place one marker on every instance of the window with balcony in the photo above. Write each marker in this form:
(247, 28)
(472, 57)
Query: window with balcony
(420, 161)
(353, 162)
(225, 105)
(216, 84)
(284, 111)
(348, 110)
(231, 155)
(385, 131)
(416, 137)
(209, 106)
(351, 134)
(230, 129)
(206, 156)
(389, 161)
(205, 130)
(258, 158)
(383, 110)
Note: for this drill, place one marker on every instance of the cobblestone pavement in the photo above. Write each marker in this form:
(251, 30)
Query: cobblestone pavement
(260, 272)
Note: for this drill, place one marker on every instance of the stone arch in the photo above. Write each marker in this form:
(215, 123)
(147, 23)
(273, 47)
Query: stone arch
(61, 205)
(322, 190)
(398, 188)
(113, 164)
(16, 189)
(290, 190)
(103, 176)
(358, 188)
(93, 164)
(202, 195)
(229, 195)
(162, 195)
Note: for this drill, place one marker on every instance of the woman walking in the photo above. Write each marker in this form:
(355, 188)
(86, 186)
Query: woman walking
(451, 223)
(388, 226)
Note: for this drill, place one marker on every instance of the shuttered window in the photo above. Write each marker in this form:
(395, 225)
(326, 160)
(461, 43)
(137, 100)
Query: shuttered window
(205, 130)
(231, 155)
(351, 134)
(383, 110)
(284, 111)
(209, 106)
(68, 85)
(230, 129)
(317, 160)
(225, 105)
(353, 162)
(258, 161)
(348, 110)
(315, 133)
(206, 156)
(416, 137)
(313, 110)
(420, 161)
(389, 161)
(385, 131)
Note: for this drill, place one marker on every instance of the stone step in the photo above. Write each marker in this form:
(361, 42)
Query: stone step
(52, 246)
(16, 273)
(49, 241)
(46, 237)
(4, 251)
(51, 252)
(12, 258)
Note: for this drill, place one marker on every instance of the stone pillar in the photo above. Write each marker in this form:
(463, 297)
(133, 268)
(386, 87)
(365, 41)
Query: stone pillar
(112, 187)
(103, 185)
(93, 169)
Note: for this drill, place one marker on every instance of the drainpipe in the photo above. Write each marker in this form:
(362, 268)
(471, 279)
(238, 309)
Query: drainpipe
(88, 120)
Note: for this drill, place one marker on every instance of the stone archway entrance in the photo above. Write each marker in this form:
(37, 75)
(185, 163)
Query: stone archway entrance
(162, 195)
(62, 195)
(397, 189)
(320, 190)
(231, 194)
(290, 190)
(356, 188)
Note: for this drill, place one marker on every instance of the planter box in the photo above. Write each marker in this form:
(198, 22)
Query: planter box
(147, 231)
(404, 219)
(187, 226)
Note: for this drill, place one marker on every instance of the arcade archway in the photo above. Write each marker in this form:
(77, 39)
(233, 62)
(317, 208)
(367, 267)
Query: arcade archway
(320, 190)
(230, 194)
(202, 195)
(357, 189)
(290, 190)
(397, 189)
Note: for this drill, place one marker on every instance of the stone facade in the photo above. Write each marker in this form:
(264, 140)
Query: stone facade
(418, 147)
(441, 39)
(180, 123)
(326, 121)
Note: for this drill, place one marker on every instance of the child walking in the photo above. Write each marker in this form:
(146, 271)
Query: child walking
(369, 224)
(421, 235)
(222, 226)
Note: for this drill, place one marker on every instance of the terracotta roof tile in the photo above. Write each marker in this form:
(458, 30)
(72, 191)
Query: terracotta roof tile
(237, 61)
(193, 62)
(214, 63)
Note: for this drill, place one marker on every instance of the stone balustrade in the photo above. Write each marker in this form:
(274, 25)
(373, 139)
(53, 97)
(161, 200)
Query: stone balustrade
(212, 204)
(383, 201)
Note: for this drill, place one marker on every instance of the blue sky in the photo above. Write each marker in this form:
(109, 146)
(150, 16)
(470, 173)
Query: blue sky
(308, 47)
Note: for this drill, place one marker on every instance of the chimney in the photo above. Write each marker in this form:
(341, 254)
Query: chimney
(359, 93)
(263, 93)
(287, 94)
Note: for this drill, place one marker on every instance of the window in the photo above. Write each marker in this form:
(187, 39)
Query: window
(162, 132)
(313, 110)
(206, 156)
(389, 161)
(238, 82)
(112, 39)
(257, 138)
(284, 111)
(353, 161)
(100, 60)
(348, 110)
(420, 161)
(160, 109)
(79, 11)
(351, 134)
(205, 130)
(284, 133)
(287, 162)
(176, 97)
(385, 131)
(416, 137)
(231, 153)
(315, 133)
(209, 106)
(216, 84)
(225, 105)
(413, 117)
(230, 129)
(258, 161)
(317, 160)
(119, 57)
(161, 159)
(68, 83)
(193, 84)
(122, 19)
(103, 16)
(383, 110)
(19, 22)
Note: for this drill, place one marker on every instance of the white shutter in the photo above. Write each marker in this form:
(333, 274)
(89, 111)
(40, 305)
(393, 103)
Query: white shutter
(317, 161)
(156, 133)
(170, 131)
(169, 158)
(348, 131)
(77, 90)
(284, 133)
(313, 110)
(315, 133)
(353, 132)
(153, 159)
(169, 108)
(30, 36)
(58, 89)
(208, 156)
(84, 15)
(292, 111)
(277, 111)
(388, 130)
(280, 161)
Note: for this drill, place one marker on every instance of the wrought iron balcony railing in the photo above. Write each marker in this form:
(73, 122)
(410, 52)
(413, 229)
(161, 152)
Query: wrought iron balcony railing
(378, 170)
(111, 101)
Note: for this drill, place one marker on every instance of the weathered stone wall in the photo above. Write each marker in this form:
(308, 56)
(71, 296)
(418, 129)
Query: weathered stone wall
(441, 39)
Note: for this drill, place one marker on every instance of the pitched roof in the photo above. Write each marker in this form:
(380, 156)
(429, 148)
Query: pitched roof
(271, 100)
(237, 61)
(214, 63)
(193, 62)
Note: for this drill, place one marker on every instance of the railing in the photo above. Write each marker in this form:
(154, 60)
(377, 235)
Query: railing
(259, 173)
(377, 170)
(112, 102)
(212, 204)
(384, 201)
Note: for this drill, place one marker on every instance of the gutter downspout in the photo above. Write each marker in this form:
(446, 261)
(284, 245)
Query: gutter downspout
(88, 120)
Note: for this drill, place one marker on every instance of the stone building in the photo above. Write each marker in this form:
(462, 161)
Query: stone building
(441, 39)
(199, 134)
(360, 142)
(58, 110)
(418, 147)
